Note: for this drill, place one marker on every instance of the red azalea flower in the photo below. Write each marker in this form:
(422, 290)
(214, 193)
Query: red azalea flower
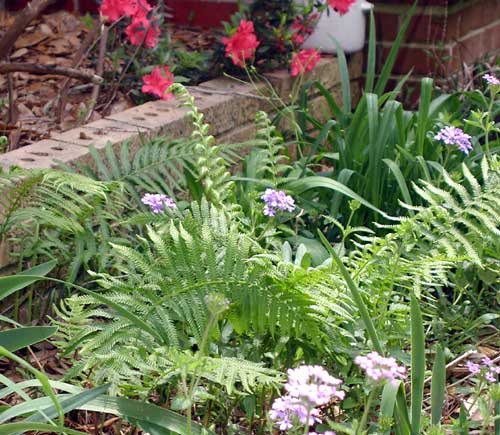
(297, 29)
(341, 6)
(139, 25)
(242, 44)
(304, 60)
(113, 10)
(158, 82)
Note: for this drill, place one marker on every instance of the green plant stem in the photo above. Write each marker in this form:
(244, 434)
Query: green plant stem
(366, 412)
(195, 378)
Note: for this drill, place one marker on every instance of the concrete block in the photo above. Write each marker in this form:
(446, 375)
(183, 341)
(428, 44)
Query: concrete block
(102, 132)
(43, 154)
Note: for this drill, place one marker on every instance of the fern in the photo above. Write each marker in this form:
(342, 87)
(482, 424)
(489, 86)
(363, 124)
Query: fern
(164, 281)
(211, 168)
(462, 221)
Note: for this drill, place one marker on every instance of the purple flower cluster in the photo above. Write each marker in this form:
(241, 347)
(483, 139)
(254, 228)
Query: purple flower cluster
(307, 388)
(487, 369)
(156, 201)
(491, 79)
(277, 200)
(455, 136)
(379, 368)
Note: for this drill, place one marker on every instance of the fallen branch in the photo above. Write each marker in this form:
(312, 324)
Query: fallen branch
(80, 55)
(28, 14)
(99, 70)
(31, 68)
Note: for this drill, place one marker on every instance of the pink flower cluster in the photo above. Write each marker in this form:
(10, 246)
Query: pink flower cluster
(491, 80)
(141, 28)
(381, 369)
(487, 369)
(242, 45)
(308, 387)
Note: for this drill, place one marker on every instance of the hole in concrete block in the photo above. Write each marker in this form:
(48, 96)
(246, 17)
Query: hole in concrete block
(35, 153)
(151, 114)
(100, 132)
(27, 159)
(56, 148)
(166, 109)
(139, 118)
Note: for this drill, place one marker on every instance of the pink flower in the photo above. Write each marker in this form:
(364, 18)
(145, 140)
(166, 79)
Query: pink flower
(380, 369)
(242, 45)
(341, 6)
(158, 82)
(304, 60)
(141, 26)
(113, 10)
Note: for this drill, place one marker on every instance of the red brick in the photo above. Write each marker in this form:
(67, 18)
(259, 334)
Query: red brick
(387, 26)
(421, 3)
(479, 15)
(424, 61)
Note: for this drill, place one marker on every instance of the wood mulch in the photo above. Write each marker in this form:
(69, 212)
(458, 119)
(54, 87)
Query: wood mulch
(54, 39)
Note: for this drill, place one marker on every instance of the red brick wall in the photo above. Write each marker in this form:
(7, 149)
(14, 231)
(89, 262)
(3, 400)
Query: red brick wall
(442, 36)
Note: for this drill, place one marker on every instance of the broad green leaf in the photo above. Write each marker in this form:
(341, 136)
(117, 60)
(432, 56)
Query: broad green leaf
(313, 182)
(11, 284)
(417, 364)
(438, 385)
(17, 338)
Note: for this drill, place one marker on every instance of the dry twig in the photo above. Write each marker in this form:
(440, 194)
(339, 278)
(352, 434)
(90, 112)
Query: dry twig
(9, 67)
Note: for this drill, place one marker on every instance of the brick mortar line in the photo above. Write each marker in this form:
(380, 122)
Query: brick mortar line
(448, 46)
(436, 11)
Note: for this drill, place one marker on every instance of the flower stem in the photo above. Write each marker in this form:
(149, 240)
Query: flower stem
(368, 405)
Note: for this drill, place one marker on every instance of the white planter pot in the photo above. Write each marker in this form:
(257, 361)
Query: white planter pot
(348, 29)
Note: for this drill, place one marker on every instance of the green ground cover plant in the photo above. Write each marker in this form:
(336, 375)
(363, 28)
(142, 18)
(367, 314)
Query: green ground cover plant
(199, 289)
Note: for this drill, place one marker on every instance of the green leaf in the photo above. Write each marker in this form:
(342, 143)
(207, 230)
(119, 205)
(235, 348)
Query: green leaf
(438, 386)
(11, 284)
(372, 52)
(15, 339)
(356, 295)
(147, 412)
(423, 113)
(11, 428)
(313, 182)
(417, 364)
(391, 58)
(388, 402)
(400, 179)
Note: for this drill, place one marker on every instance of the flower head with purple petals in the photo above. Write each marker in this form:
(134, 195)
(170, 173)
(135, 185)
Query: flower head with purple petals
(277, 200)
(156, 202)
(455, 136)
(486, 369)
(308, 387)
(380, 369)
(491, 80)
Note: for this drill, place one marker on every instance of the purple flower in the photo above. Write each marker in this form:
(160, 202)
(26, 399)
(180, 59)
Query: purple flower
(156, 201)
(473, 368)
(455, 136)
(487, 369)
(491, 79)
(277, 200)
(313, 384)
(379, 368)
(307, 388)
(286, 410)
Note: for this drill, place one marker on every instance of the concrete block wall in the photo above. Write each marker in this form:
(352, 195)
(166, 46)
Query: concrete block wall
(229, 107)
